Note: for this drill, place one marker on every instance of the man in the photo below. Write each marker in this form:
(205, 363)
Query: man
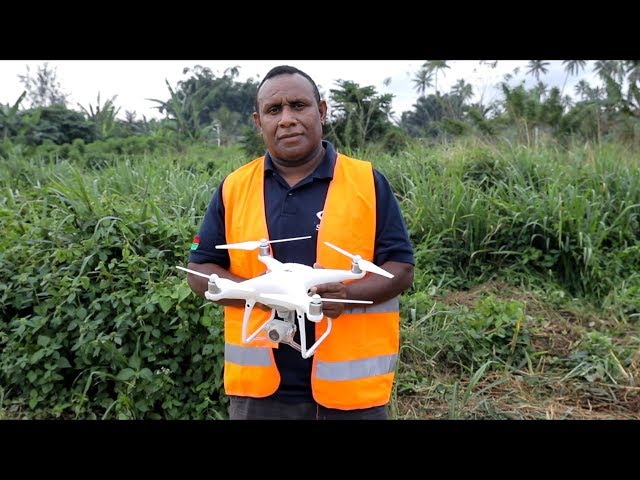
(302, 187)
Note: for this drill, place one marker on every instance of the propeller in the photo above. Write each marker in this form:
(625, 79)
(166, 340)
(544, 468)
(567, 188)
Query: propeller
(257, 243)
(287, 298)
(344, 300)
(365, 265)
(219, 281)
(200, 274)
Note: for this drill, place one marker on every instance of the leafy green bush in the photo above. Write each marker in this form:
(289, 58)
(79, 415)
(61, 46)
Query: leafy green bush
(495, 330)
(98, 323)
(94, 318)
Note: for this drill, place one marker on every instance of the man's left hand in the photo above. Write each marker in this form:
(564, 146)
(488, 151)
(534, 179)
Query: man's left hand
(331, 290)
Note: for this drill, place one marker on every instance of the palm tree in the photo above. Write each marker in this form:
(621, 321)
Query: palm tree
(573, 68)
(540, 89)
(612, 69)
(583, 89)
(632, 67)
(422, 81)
(435, 66)
(536, 67)
(462, 89)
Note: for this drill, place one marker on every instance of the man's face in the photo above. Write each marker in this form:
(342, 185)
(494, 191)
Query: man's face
(289, 117)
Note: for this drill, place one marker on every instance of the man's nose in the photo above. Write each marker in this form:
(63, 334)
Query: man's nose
(288, 116)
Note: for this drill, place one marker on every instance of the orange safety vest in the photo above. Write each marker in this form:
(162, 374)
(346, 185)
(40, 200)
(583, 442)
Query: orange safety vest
(354, 366)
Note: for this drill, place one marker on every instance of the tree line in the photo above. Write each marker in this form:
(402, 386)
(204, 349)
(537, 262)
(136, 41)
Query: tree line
(217, 109)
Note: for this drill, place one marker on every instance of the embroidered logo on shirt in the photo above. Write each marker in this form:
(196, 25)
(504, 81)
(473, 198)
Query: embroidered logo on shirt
(319, 215)
(196, 242)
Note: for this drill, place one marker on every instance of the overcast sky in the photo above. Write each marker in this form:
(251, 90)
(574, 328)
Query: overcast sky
(135, 81)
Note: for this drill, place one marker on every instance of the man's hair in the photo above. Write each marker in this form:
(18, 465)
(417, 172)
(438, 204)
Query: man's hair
(287, 70)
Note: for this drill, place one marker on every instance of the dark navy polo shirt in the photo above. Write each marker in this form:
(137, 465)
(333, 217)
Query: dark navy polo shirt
(296, 212)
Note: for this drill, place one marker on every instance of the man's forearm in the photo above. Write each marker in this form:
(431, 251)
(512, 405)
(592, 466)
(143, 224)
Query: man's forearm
(200, 284)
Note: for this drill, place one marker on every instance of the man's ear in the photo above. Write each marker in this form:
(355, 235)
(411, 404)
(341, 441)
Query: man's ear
(322, 107)
(256, 121)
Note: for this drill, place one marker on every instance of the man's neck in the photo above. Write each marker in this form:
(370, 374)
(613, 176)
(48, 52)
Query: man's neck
(293, 173)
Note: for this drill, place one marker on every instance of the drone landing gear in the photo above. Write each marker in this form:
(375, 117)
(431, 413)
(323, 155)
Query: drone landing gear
(283, 329)
(303, 337)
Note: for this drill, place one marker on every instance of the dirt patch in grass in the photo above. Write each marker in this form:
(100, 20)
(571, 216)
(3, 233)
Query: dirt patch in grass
(545, 392)
(518, 397)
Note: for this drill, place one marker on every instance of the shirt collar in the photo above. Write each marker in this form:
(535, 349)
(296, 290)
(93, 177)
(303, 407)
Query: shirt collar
(324, 170)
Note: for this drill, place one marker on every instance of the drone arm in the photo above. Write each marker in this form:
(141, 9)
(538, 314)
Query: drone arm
(200, 285)
(227, 296)
(330, 275)
(372, 287)
(271, 263)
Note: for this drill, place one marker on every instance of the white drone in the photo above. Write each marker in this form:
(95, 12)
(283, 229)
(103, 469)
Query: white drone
(285, 289)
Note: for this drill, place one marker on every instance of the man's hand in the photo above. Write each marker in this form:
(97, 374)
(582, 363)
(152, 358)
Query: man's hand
(330, 290)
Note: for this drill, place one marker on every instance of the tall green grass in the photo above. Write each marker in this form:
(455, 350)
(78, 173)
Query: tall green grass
(571, 216)
(97, 322)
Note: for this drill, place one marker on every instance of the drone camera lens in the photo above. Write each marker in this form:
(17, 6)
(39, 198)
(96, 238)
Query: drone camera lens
(273, 335)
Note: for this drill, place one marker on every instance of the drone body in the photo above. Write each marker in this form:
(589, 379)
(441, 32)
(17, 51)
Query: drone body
(285, 289)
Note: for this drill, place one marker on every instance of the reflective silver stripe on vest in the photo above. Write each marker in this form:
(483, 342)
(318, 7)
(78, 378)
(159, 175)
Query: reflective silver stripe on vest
(354, 369)
(392, 305)
(247, 356)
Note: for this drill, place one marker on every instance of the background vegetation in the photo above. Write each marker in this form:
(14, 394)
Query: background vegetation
(524, 216)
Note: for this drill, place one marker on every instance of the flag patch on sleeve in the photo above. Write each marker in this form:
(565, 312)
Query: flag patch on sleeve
(196, 243)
